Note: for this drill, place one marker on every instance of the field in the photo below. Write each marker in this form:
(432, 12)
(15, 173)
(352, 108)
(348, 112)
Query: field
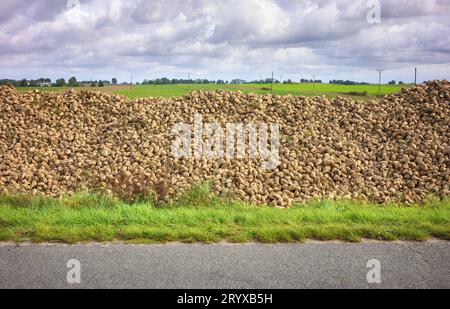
(330, 90)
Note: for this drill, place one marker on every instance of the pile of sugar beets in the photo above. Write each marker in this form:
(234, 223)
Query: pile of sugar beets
(396, 149)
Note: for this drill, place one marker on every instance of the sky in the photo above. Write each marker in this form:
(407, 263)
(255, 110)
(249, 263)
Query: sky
(225, 39)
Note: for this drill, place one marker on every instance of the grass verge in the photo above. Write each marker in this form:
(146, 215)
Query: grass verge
(200, 217)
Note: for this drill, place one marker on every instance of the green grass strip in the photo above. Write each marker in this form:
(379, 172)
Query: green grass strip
(200, 217)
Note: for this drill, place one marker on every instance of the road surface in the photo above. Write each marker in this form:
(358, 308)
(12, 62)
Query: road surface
(253, 266)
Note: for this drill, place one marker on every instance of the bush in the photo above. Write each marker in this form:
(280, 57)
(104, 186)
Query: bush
(359, 94)
(132, 189)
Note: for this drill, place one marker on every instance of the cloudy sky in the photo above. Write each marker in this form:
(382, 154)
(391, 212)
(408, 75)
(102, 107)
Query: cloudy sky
(247, 39)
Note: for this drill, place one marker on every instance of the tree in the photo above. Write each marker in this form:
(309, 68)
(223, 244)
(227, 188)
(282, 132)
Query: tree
(347, 82)
(73, 82)
(114, 81)
(60, 82)
(101, 84)
(392, 82)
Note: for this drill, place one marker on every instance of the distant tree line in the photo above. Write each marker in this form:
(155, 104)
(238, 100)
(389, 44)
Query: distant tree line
(351, 83)
(174, 81)
(26, 83)
(310, 81)
(73, 82)
(264, 81)
(60, 82)
(347, 82)
(393, 82)
(167, 81)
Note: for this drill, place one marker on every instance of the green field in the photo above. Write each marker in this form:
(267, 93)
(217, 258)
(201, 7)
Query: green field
(200, 217)
(330, 90)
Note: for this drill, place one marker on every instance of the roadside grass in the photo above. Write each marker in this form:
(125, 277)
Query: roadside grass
(200, 217)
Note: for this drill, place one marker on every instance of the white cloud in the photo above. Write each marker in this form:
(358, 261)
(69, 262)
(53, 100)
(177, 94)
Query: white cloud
(222, 39)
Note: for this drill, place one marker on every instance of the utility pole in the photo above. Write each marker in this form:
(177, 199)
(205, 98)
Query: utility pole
(188, 81)
(415, 76)
(271, 87)
(380, 71)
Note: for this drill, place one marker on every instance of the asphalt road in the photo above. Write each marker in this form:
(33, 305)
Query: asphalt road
(312, 265)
